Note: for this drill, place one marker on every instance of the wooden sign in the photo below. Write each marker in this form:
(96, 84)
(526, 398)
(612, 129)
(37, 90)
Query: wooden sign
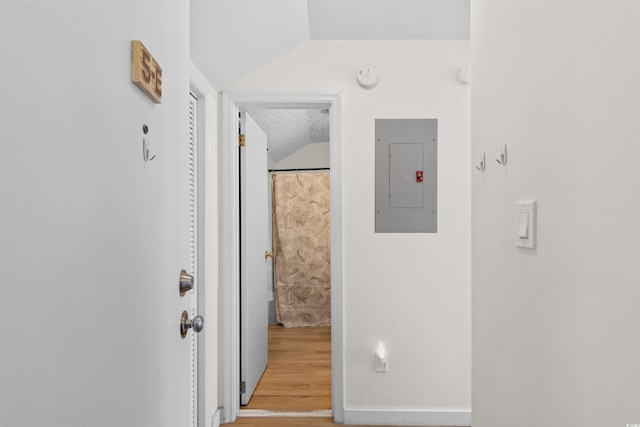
(145, 71)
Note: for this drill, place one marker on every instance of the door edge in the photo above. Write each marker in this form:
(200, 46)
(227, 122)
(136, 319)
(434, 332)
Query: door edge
(207, 369)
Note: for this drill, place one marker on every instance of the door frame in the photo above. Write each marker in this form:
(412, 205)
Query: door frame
(230, 104)
(207, 98)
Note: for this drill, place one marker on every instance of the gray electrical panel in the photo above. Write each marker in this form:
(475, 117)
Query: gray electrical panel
(406, 176)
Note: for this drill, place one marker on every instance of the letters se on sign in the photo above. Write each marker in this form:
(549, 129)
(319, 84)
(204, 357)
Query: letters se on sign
(145, 71)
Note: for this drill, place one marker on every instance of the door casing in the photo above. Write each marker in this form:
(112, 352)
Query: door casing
(230, 228)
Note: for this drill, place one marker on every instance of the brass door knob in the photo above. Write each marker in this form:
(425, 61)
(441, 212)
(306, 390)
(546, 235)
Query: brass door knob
(268, 254)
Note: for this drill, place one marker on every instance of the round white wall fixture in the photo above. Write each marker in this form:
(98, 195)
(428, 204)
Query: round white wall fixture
(465, 75)
(368, 77)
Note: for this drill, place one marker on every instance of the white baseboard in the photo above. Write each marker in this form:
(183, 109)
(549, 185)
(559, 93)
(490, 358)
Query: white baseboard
(215, 420)
(407, 418)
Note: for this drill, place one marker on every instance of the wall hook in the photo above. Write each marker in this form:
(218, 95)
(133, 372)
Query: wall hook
(145, 145)
(483, 163)
(145, 151)
(502, 159)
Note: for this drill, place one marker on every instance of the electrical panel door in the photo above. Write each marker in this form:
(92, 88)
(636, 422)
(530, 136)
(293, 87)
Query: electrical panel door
(406, 175)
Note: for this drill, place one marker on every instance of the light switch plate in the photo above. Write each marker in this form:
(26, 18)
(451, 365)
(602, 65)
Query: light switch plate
(526, 210)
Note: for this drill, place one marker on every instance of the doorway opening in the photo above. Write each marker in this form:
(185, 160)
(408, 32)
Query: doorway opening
(297, 341)
(231, 105)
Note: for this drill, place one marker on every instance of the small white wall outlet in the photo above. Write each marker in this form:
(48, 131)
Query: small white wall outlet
(382, 359)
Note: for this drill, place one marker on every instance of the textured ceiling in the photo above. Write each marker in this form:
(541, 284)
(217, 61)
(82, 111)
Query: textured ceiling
(288, 130)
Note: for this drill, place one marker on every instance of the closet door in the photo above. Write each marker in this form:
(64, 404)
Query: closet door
(254, 249)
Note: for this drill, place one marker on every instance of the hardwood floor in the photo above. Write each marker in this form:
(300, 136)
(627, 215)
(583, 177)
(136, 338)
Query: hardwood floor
(297, 379)
(298, 375)
(284, 422)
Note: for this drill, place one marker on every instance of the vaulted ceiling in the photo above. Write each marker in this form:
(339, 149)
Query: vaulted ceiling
(231, 39)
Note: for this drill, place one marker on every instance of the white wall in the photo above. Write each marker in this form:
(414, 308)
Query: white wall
(556, 331)
(411, 291)
(89, 309)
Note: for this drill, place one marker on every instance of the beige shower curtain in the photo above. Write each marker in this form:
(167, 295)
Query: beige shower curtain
(301, 239)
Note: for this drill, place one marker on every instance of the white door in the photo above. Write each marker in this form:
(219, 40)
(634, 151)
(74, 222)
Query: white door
(254, 243)
(93, 241)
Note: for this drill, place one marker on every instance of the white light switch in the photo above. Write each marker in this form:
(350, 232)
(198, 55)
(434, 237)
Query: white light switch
(526, 237)
(523, 229)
